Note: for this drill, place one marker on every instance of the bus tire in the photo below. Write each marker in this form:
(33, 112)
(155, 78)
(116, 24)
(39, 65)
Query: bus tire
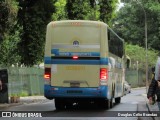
(102, 103)
(111, 103)
(117, 100)
(59, 104)
(105, 104)
(108, 104)
(113, 90)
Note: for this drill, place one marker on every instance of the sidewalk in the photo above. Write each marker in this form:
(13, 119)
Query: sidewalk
(24, 100)
(152, 108)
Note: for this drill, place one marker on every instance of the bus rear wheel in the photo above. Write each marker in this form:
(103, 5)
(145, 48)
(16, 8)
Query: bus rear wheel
(59, 104)
(111, 103)
(104, 104)
(117, 100)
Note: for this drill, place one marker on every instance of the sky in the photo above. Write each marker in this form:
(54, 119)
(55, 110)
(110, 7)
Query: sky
(120, 4)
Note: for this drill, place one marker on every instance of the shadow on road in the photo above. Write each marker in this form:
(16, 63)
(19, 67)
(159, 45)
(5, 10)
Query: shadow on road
(76, 110)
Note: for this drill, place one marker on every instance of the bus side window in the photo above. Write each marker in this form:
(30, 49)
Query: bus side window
(116, 45)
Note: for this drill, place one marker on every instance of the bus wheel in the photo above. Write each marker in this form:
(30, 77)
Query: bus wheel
(111, 102)
(59, 104)
(69, 105)
(117, 100)
(105, 104)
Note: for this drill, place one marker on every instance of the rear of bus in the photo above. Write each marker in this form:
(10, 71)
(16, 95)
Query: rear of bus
(76, 60)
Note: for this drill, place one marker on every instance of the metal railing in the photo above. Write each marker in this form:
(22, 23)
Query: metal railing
(25, 81)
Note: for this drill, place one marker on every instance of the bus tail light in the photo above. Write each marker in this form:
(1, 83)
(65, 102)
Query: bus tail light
(103, 74)
(47, 76)
(47, 73)
(75, 57)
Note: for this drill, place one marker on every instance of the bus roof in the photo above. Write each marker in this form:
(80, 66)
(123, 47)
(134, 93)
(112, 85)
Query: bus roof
(79, 22)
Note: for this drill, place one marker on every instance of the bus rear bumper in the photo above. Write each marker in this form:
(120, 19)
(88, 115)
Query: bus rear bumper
(67, 92)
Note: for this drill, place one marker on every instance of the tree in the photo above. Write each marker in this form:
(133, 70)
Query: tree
(137, 53)
(9, 35)
(107, 9)
(95, 13)
(7, 16)
(78, 9)
(33, 16)
(153, 13)
(60, 13)
(129, 23)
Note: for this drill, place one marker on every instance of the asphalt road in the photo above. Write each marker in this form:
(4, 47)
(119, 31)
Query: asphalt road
(130, 104)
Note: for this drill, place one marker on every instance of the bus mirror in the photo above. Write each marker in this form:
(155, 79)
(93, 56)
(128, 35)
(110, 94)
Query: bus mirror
(108, 34)
(128, 62)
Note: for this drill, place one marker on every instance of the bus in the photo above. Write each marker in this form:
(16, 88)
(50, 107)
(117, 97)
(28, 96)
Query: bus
(84, 63)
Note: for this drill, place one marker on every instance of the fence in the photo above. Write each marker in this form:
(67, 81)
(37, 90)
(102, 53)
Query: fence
(137, 78)
(25, 81)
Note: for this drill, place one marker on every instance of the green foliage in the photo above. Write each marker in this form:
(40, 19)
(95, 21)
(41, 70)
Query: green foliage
(24, 94)
(107, 9)
(22, 37)
(130, 23)
(60, 13)
(153, 13)
(4, 14)
(91, 10)
(8, 12)
(9, 49)
(78, 9)
(137, 53)
(94, 11)
(33, 17)
(8, 33)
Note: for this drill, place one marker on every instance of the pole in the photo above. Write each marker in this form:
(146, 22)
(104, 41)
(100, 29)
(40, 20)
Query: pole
(146, 51)
(146, 45)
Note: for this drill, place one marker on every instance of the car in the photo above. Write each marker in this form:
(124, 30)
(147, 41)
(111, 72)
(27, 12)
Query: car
(127, 87)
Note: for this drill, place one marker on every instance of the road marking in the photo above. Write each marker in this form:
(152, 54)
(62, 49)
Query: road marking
(134, 103)
(131, 102)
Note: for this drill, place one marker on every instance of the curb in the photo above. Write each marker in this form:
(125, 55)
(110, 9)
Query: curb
(2, 106)
(24, 100)
(136, 88)
(151, 110)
